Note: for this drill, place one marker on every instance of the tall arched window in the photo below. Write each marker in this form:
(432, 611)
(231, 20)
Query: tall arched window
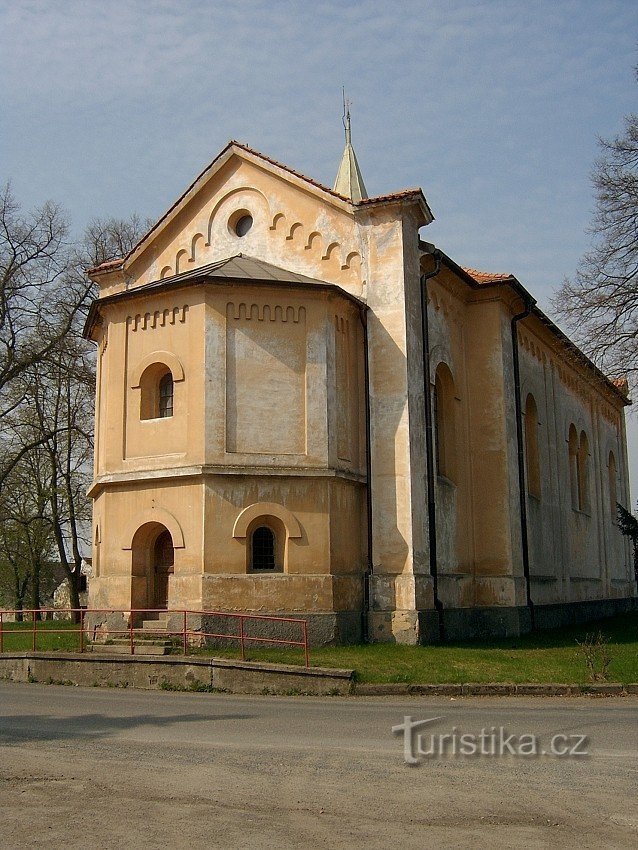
(613, 495)
(579, 469)
(531, 448)
(583, 472)
(572, 444)
(263, 548)
(443, 414)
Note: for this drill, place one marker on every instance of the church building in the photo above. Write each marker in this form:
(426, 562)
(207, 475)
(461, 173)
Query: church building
(305, 409)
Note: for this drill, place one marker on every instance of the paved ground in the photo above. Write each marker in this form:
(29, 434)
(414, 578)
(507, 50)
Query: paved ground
(82, 767)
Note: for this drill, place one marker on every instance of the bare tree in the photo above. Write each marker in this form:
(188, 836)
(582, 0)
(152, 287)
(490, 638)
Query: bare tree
(600, 304)
(55, 413)
(41, 297)
(47, 380)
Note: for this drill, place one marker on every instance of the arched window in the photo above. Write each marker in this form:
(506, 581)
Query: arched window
(263, 548)
(166, 396)
(583, 472)
(533, 472)
(443, 414)
(579, 469)
(156, 386)
(613, 495)
(572, 444)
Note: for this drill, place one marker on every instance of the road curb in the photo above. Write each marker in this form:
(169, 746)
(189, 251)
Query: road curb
(549, 689)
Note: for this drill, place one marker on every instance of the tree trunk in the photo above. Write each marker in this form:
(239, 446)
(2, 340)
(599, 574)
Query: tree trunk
(35, 591)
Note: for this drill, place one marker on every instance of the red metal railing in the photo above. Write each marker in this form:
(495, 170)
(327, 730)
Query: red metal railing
(187, 635)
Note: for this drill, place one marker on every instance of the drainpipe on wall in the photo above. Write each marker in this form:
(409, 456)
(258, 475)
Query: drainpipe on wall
(429, 438)
(369, 568)
(521, 456)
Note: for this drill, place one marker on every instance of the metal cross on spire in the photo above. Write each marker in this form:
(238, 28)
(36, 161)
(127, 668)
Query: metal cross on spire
(349, 182)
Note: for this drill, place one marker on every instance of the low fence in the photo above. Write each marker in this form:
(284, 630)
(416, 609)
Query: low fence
(88, 634)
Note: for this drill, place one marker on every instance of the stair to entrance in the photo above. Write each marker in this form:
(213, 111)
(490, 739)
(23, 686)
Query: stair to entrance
(159, 624)
(142, 645)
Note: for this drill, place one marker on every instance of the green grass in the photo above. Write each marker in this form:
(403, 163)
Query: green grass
(551, 656)
(18, 637)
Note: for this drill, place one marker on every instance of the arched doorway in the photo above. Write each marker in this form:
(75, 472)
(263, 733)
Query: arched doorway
(163, 564)
(153, 560)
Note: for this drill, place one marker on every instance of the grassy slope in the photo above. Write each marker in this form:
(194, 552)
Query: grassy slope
(46, 640)
(551, 656)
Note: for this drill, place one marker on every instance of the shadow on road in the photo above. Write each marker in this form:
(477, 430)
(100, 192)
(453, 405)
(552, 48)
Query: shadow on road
(16, 729)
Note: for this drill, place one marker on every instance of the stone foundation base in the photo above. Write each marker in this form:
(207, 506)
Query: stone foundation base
(555, 616)
(495, 622)
(341, 627)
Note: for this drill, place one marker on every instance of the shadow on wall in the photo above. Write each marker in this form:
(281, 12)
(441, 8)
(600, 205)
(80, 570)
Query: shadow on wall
(389, 360)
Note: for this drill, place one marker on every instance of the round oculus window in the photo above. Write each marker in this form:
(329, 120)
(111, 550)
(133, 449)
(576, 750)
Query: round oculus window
(243, 224)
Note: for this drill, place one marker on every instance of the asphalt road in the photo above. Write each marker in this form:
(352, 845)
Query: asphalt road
(91, 768)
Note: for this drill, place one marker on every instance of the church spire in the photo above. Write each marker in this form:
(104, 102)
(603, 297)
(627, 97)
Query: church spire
(349, 182)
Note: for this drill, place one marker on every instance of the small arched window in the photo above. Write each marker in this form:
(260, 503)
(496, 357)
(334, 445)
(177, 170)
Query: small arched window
(156, 392)
(531, 448)
(166, 396)
(263, 548)
(613, 495)
(443, 414)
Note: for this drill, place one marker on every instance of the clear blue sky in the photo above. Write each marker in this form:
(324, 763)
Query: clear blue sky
(493, 108)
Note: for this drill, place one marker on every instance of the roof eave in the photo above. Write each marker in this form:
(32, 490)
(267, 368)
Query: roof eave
(513, 283)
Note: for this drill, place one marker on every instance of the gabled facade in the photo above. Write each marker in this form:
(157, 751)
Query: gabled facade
(265, 442)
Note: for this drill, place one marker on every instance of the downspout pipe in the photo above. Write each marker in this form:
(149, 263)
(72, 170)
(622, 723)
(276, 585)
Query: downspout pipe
(429, 439)
(527, 309)
(369, 568)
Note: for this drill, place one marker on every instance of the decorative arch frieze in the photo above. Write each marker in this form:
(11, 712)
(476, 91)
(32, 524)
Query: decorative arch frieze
(155, 515)
(167, 357)
(266, 509)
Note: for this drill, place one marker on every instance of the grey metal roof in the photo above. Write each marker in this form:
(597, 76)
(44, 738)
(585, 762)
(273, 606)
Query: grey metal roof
(239, 267)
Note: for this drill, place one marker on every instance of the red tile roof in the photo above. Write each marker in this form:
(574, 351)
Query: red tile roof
(404, 193)
(487, 277)
(622, 384)
(106, 265)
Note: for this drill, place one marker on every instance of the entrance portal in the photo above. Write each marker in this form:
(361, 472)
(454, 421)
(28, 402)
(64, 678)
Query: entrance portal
(163, 563)
(153, 564)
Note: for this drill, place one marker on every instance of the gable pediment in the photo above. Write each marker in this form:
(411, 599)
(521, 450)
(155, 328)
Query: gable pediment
(294, 223)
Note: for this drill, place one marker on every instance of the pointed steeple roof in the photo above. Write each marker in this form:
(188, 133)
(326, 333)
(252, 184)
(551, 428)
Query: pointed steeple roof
(349, 182)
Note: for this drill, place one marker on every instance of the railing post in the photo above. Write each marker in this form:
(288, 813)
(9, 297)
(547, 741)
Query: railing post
(1, 635)
(35, 627)
(131, 634)
(305, 642)
(184, 635)
(81, 629)
(241, 638)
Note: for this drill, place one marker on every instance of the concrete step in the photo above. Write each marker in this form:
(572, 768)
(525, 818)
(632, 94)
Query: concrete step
(155, 625)
(124, 649)
(141, 640)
